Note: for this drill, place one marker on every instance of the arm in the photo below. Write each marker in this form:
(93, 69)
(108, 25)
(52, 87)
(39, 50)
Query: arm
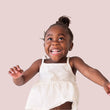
(20, 77)
(91, 73)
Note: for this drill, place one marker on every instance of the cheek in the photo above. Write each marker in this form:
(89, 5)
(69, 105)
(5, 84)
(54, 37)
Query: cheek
(46, 47)
(65, 48)
(67, 45)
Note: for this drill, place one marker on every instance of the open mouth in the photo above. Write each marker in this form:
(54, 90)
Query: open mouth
(55, 51)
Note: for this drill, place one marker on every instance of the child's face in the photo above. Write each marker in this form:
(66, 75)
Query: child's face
(57, 43)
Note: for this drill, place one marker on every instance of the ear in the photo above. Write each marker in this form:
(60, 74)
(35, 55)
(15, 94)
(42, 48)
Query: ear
(71, 46)
(44, 43)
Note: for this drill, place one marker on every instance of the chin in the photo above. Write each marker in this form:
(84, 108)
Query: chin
(55, 60)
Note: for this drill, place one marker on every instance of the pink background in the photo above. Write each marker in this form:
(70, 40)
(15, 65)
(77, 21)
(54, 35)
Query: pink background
(22, 24)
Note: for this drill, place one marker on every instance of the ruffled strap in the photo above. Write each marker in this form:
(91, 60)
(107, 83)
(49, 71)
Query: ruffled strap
(68, 58)
(43, 58)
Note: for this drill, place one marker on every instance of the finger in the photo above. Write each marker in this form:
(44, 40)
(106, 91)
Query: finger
(12, 70)
(107, 90)
(109, 86)
(109, 94)
(15, 69)
(10, 73)
(18, 68)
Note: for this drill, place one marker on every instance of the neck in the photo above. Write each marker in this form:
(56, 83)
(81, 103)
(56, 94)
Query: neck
(62, 60)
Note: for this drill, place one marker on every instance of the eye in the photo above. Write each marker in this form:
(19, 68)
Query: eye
(49, 39)
(61, 38)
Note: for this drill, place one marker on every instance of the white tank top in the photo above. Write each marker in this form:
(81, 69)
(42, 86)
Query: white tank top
(56, 85)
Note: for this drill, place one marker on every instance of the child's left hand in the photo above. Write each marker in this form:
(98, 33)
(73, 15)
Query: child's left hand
(107, 88)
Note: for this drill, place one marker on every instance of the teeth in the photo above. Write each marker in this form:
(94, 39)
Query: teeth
(55, 50)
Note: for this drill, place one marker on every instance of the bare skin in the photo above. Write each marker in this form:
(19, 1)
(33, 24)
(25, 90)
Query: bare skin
(65, 106)
(57, 44)
(20, 77)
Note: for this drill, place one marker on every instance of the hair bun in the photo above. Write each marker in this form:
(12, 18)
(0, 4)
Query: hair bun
(63, 20)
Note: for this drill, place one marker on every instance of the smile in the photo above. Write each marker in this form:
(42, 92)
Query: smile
(55, 51)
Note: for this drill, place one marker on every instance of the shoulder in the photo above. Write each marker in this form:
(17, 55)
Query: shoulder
(36, 64)
(79, 64)
(76, 62)
(75, 59)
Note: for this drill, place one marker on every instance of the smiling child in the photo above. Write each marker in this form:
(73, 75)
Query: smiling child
(56, 88)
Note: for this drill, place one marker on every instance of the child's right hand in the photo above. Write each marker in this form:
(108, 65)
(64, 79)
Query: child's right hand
(16, 72)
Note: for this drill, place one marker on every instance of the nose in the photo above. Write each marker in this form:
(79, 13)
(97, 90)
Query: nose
(54, 43)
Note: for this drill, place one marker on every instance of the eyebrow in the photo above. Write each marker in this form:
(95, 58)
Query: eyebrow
(61, 34)
(49, 34)
(58, 34)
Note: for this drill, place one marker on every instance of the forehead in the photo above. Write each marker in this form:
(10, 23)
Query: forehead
(57, 29)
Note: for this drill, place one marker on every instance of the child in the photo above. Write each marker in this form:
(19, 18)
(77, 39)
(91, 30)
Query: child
(56, 88)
